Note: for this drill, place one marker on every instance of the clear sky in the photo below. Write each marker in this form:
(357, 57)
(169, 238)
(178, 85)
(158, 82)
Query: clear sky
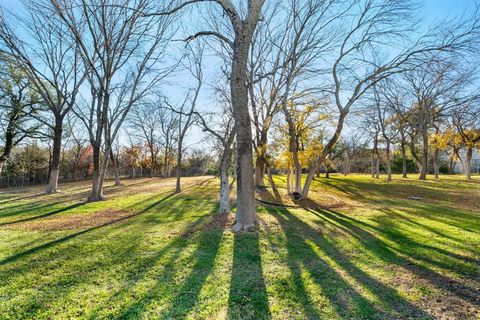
(432, 11)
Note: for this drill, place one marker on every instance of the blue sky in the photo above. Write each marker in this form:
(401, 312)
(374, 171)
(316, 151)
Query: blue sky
(432, 11)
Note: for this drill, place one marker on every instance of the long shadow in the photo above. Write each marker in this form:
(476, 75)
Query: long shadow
(30, 196)
(248, 297)
(383, 251)
(140, 269)
(395, 306)
(205, 255)
(51, 213)
(74, 235)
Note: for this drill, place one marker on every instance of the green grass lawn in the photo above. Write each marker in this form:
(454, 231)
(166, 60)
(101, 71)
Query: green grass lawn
(360, 249)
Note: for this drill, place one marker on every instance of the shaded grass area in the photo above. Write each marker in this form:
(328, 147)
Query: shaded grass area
(376, 256)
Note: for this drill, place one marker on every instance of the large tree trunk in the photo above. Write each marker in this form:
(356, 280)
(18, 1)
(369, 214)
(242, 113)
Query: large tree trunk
(56, 153)
(245, 216)
(468, 163)
(97, 190)
(389, 162)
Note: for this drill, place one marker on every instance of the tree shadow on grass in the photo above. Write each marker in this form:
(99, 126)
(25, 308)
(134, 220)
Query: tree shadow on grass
(44, 215)
(346, 299)
(74, 235)
(248, 297)
(403, 258)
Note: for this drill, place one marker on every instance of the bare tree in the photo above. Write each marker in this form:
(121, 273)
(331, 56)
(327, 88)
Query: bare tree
(120, 49)
(51, 62)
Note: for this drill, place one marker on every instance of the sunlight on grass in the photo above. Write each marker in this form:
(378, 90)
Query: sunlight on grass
(146, 253)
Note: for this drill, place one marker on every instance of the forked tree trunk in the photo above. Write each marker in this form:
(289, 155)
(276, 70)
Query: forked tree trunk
(52, 186)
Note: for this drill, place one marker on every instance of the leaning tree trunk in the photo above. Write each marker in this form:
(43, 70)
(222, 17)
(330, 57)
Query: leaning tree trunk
(56, 153)
(468, 163)
(389, 162)
(270, 179)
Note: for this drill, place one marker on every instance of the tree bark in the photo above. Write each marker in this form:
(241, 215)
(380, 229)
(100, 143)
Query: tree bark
(245, 216)
(404, 158)
(436, 163)
(116, 172)
(468, 163)
(178, 187)
(389, 162)
(259, 171)
(97, 190)
(224, 183)
(424, 168)
(52, 186)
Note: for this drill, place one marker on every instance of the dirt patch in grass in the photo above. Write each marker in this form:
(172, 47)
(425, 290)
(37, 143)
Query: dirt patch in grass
(72, 222)
(444, 300)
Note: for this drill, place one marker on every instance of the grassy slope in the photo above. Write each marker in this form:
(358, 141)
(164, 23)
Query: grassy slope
(145, 253)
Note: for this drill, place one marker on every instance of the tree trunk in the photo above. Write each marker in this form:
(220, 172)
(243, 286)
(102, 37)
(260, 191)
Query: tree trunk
(178, 187)
(436, 163)
(289, 180)
(259, 171)
(468, 163)
(224, 184)
(270, 179)
(245, 216)
(372, 169)
(389, 162)
(116, 172)
(56, 153)
(97, 190)
(377, 166)
(327, 172)
(404, 158)
(423, 169)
